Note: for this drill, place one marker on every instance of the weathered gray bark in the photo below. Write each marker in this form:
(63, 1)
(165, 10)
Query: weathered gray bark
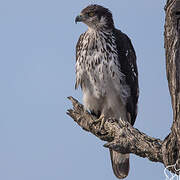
(121, 136)
(124, 138)
(171, 144)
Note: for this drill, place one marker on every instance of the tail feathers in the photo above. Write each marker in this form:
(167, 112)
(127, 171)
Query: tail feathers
(120, 164)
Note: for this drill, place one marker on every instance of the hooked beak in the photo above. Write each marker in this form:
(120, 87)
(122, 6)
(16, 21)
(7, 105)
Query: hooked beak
(79, 18)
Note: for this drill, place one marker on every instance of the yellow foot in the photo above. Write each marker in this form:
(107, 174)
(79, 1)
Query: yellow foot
(101, 120)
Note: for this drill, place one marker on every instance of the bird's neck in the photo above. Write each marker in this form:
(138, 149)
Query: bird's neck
(100, 32)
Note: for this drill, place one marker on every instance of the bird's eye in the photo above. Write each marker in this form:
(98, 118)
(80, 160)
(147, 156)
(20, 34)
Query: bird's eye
(91, 14)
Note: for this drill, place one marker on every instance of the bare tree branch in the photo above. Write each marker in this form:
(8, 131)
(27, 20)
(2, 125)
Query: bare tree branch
(121, 135)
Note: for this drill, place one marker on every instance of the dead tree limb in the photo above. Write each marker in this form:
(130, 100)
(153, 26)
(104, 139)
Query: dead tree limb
(124, 138)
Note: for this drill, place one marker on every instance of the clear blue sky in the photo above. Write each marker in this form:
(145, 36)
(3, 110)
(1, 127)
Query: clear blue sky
(38, 141)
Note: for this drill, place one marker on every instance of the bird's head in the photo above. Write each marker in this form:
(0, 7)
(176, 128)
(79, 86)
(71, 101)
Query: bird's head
(96, 17)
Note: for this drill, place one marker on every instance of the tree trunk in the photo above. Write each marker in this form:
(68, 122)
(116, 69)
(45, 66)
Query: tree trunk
(124, 138)
(171, 144)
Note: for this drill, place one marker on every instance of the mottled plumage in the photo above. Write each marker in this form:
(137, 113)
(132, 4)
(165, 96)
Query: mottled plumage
(107, 73)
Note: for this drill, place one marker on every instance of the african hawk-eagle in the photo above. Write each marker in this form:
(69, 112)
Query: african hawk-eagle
(107, 72)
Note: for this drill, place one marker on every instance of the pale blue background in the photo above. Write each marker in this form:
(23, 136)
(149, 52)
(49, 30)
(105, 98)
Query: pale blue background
(38, 141)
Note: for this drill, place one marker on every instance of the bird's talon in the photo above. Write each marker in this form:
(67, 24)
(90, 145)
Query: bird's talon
(101, 120)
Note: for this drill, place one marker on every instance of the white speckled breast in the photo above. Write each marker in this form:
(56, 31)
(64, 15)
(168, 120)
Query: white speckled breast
(98, 70)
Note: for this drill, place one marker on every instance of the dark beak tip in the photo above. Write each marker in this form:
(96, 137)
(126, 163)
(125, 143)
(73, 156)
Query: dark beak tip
(78, 19)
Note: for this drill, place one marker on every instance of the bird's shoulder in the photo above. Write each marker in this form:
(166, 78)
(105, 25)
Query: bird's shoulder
(124, 44)
(126, 55)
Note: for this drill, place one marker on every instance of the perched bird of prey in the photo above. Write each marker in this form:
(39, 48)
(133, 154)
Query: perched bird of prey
(107, 72)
